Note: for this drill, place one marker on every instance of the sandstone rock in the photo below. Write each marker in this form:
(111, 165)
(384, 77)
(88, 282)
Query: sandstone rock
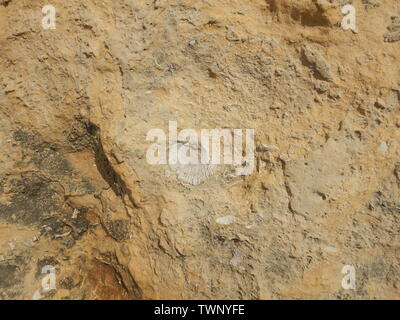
(78, 195)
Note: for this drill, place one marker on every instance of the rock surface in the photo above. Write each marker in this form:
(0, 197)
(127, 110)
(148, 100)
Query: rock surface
(76, 190)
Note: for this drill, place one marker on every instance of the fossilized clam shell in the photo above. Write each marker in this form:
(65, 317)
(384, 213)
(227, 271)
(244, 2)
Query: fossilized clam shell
(193, 174)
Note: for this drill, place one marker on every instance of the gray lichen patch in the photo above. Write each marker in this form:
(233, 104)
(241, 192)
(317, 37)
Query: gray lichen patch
(35, 201)
(8, 275)
(32, 198)
(12, 273)
(52, 162)
(44, 155)
(118, 229)
(80, 136)
(28, 140)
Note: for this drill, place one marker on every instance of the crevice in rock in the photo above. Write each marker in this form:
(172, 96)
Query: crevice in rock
(103, 164)
(288, 190)
(123, 275)
(5, 3)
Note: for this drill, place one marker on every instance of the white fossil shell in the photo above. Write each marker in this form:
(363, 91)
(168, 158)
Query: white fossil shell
(193, 174)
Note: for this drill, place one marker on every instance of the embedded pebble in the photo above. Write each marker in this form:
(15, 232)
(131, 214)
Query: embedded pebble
(330, 249)
(383, 147)
(263, 148)
(226, 220)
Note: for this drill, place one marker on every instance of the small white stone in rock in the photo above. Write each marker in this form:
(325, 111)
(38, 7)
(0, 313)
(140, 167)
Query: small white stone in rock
(59, 236)
(226, 220)
(263, 147)
(383, 147)
(237, 257)
(330, 249)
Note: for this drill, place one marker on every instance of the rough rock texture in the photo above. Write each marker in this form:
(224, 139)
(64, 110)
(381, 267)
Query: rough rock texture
(77, 193)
